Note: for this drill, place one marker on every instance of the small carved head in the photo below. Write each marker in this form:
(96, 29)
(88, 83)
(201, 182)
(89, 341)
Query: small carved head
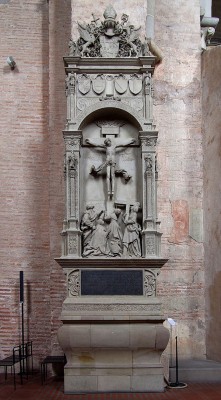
(107, 142)
(135, 207)
(124, 18)
(89, 206)
(117, 211)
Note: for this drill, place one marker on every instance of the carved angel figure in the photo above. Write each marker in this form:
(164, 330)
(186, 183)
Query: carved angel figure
(131, 34)
(87, 36)
(134, 35)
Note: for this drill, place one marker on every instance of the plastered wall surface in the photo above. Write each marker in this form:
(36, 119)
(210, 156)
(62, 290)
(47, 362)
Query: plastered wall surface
(82, 12)
(211, 83)
(180, 191)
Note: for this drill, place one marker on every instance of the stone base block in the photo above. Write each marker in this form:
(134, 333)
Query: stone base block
(113, 383)
(113, 356)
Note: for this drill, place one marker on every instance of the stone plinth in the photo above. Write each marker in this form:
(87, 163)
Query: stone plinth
(113, 344)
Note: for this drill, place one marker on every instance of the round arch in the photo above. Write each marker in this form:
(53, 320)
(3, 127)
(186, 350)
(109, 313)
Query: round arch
(107, 109)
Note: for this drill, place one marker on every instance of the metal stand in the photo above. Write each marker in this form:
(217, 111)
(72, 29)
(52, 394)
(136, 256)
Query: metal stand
(22, 319)
(177, 384)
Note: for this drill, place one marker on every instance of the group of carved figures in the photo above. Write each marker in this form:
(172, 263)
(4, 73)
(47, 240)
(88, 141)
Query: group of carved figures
(103, 236)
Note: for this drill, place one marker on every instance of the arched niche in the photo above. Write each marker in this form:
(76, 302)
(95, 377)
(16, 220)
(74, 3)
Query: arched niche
(110, 109)
(121, 127)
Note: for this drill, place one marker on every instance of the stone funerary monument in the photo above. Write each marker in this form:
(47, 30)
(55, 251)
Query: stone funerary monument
(112, 333)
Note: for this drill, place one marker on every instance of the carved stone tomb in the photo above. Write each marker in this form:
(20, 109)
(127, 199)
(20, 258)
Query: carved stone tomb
(112, 333)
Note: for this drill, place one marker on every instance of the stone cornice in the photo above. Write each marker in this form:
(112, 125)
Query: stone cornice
(117, 263)
(109, 65)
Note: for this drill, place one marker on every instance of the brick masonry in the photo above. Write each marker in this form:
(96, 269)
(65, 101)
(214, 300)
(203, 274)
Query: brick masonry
(33, 113)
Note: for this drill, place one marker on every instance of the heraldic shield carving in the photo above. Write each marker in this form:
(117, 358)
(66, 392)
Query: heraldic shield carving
(98, 84)
(109, 46)
(84, 83)
(135, 84)
(121, 84)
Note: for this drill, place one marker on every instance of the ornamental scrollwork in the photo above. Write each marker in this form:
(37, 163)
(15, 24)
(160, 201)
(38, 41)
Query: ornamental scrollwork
(74, 283)
(149, 283)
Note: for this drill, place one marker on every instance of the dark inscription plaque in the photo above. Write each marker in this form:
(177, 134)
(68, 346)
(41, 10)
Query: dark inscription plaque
(108, 282)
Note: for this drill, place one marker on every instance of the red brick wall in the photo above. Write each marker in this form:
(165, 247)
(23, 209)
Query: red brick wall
(31, 151)
(60, 33)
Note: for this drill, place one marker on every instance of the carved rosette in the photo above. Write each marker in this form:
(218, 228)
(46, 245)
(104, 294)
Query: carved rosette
(74, 283)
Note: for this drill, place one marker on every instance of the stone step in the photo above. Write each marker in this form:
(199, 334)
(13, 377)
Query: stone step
(196, 371)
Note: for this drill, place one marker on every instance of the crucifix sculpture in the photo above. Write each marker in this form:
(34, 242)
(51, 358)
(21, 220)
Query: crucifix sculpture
(110, 163)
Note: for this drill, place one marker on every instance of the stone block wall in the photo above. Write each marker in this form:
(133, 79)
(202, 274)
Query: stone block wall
(211, 82)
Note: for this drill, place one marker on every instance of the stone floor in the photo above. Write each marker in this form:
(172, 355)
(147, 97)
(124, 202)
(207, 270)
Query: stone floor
(53, 390)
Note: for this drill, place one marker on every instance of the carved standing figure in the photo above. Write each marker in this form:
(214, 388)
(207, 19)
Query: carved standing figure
(131, 34)
(131, 238)
(98, 241)
(114, 233)
(88, 226)
(110, 162)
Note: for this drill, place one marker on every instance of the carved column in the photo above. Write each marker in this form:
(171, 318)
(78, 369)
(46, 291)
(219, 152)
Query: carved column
(150, 19)
(71, 230)
(150, 236)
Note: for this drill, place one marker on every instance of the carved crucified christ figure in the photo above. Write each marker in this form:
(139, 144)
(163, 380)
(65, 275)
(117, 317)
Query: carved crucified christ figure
(110, 163)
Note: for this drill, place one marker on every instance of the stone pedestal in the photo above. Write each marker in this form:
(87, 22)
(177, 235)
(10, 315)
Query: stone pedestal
(113, 344)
